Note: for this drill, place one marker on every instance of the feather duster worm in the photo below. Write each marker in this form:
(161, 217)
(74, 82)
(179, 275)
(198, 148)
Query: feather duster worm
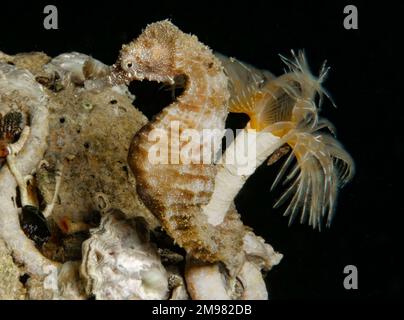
(283, 110)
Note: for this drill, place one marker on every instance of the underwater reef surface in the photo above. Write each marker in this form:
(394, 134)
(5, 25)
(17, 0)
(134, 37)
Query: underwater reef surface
(86, 214)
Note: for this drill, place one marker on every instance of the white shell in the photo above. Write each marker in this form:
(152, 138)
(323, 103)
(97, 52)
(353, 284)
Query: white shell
(210, 281)
(260, 252)
(118, 264)
(76, 67)
(69, 282)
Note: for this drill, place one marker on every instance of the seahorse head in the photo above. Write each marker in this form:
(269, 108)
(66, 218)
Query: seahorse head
(150, 56)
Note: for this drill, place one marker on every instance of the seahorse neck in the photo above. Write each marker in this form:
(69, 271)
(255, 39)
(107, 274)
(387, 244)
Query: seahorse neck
(198, 64)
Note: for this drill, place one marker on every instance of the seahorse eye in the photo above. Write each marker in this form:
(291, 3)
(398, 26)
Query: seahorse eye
(129, 65)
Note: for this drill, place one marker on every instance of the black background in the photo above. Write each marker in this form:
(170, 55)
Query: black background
(364, 81)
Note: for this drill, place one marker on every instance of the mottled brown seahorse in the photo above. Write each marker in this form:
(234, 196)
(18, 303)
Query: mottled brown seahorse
(176, 192)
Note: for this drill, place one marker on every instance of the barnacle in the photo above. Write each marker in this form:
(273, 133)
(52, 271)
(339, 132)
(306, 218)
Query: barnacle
(10, 129)
(10, 126)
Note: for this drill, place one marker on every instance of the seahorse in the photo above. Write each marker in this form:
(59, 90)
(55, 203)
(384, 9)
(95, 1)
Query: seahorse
(176, 192)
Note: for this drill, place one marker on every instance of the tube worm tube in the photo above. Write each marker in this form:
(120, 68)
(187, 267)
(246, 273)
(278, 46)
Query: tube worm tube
(33, 102)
